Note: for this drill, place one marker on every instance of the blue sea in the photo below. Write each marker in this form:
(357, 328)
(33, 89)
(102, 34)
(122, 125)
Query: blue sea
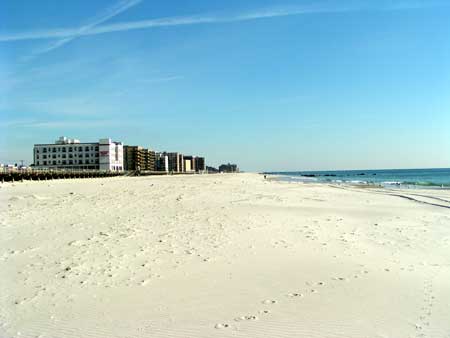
(403, 178)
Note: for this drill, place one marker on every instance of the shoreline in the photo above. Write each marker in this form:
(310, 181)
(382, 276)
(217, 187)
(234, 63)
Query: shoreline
(360, 184)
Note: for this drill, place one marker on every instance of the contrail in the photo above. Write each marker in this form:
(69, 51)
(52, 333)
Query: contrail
(109, 13)
(94, 27)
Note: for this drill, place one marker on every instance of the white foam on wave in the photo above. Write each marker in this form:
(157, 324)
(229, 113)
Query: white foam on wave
(357, 182)
(300, 179)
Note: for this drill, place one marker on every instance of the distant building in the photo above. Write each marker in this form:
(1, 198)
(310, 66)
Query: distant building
(131, 157)
(189, 164)
(176, 162)
(162, 162)
(211, 170)
(199, 164)
(139, 158)
(170, 162)
(149, 160)
(228, 168)
(68, 153)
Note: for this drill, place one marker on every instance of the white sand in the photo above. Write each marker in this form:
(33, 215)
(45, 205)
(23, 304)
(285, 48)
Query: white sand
(221, 256)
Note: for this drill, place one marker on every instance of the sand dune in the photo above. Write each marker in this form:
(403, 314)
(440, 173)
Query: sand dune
(222, 256)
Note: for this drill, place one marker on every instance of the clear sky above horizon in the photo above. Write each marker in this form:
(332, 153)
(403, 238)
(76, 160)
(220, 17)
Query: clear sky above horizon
(269, 85)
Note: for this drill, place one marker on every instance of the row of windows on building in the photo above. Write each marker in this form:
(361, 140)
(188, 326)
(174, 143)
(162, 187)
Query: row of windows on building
(64, 162)
(66, 149)
(44, 156)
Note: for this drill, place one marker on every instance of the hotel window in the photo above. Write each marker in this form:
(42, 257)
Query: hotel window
(92, 148)
(54, 150)
(37, 150)
(96, 155)
(70, 155)
(96, 161)
(45, 162)
(54, 162)
(64, 150)
(80, 162)
(80, 148)
(86, 162)
(37, 156)
(86, 148)
(44, 156)
(64, 156)
(86, 155)
(53, 156)
(96, 148)
(70, 162)
(44, 150)
(64, 162)
(37, 162)
(70, 149)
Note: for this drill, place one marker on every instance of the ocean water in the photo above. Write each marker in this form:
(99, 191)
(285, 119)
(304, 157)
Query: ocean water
(410, 178)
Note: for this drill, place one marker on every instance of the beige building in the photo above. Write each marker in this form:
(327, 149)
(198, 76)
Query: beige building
(139, 158)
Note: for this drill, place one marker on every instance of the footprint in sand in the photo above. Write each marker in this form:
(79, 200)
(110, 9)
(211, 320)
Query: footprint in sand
(246, 318)
(221, 326)
(269, 301)
(295, 294)
(340, 278)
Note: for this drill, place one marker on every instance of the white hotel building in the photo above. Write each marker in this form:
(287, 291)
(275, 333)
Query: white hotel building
(68, 153)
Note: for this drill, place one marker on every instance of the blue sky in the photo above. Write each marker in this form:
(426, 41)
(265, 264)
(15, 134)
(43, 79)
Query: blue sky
(270, 85)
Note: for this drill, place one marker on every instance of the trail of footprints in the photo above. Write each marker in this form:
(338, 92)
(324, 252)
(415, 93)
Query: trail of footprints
(427, 306)
(310, 289)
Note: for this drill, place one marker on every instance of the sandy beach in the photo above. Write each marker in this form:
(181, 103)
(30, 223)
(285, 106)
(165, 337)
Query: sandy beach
(222, 256)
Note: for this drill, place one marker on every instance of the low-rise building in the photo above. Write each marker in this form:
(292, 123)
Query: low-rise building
(228, 168)
(68, 153)
(212, 170)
